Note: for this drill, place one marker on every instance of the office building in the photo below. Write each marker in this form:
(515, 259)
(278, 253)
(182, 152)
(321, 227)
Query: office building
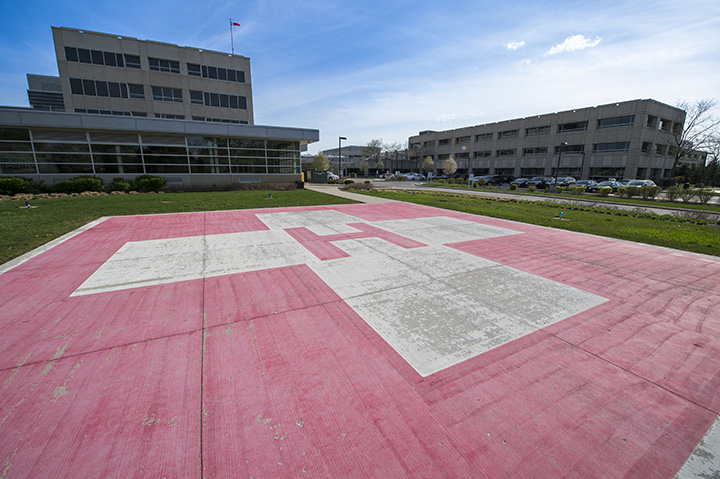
(632, 139)
(123, 107)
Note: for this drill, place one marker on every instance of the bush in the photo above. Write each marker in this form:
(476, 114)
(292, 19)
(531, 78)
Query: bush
(559, 189)
(401, 178)
(704, 194)
(353, 175)
(13, 185)
(605, 191)
(532, 188)
(358, 186)
(649, 192)
(633, 191)
(672, 193)
(687, 194)
(349, 182)
(120, 184)
(332, 182)
(576, 190)
(442, 180)
(622, 191)
(514, 186)
(78, 185)
(481, 182)
(148, 183)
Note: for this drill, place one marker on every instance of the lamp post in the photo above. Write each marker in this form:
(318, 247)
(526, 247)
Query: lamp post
(340, 139)
(564, 143)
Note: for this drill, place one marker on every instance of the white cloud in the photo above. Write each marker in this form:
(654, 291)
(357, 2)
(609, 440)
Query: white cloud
(576, 42)
(514, 45)
(526, 62)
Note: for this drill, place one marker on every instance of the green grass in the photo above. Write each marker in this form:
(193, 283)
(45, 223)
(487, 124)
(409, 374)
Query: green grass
(23, 229)
(594, 197)
(611, 223)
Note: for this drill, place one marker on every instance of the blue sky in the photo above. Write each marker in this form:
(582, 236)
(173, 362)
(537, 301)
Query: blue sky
(389, 69)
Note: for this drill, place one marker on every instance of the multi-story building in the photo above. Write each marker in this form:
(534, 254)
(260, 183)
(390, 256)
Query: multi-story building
(187, 114)
(632, 139)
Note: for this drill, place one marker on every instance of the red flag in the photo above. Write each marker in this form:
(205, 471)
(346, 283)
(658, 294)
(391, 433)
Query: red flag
(235, 23)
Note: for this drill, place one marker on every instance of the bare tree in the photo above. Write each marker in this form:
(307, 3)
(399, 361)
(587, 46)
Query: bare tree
(363, 165)
(428, 164)
(373, 152)
(700, 128)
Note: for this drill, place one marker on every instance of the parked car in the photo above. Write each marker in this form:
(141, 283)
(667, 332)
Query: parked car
(521, 182)
(585, 183)
(641, 183)
(565, 181)
(612, 184)
(413, 176)
(332, 176)
(440, 177)
(494, 179)
(540, 181)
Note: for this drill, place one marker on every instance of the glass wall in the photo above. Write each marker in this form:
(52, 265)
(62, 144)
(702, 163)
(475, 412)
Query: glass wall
(46, 151)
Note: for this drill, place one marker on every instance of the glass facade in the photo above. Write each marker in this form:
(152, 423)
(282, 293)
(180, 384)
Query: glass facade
(28, 151)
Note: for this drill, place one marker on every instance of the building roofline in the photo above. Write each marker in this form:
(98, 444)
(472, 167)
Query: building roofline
(156, 42)
(30, 118)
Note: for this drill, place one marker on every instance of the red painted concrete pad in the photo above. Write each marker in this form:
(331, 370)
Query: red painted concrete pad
(293, 382)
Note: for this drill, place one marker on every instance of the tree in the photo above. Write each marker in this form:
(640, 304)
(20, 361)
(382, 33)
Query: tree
(363, 165)
(373, 152)
(450, 166)
(428, 164)
(700, 128)
(320, 162)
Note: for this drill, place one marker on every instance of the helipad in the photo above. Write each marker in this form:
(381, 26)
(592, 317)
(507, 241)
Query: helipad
(386, 340)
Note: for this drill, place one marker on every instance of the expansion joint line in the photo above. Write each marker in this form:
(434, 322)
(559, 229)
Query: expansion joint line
(202, 347)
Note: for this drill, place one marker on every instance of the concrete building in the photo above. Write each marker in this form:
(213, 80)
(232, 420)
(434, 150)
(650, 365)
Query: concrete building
(123, 107)
(631, 139)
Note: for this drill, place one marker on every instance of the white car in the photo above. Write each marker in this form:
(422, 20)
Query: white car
(332, 176)
(413, 176)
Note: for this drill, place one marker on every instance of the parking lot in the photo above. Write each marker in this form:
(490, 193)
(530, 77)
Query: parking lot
(366, 340)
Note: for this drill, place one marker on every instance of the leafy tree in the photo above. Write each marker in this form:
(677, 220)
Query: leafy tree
(428, 164)
(700, 128)
(450, 166)
(320, 162)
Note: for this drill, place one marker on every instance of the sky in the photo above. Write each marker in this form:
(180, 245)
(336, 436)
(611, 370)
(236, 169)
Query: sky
(388, 69)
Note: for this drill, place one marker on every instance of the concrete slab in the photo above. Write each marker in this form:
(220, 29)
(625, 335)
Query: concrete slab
(385, 340)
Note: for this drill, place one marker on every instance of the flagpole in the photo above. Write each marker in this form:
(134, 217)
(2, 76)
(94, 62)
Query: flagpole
(232, 42)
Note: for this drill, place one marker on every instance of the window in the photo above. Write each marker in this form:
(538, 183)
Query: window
(616, 121)
(132, 61)
(665, 124)
(171, 117)
(651, 121)
(193, 69)
(575, 126)
(484, 137)
(570, 148)
(611, 147)
(538, 150)
(503, 135)
(102, 88)
(444, 142)
(506, 152)
(660, 149)
(646, 147)
(136, 91)
(95, 57)
(167, 94)
(483, 154)
(159, 65)
(462, 139)
(84, 55)
(196, 97)
(537, 130)
(71, 54)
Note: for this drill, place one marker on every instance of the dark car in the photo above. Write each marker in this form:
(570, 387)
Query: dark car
(611, 183)
(585, 183)
(495, 179)
(521, 182)
(540, 182)
(565, 181)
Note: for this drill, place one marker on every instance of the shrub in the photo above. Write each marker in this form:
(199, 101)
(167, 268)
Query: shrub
(349, 182)
(358, 186)
(332, 182)
(481, 182)
(649, 192)
(442, 180)
(78, 185)
(401, 178)
(559, 189)
(353, 175)
(148, 183)
(605, 191)
(576, 190)
(13, 185)
(532, 188)
(622, 192)
(633, 191)
(514, 186)
(672, 193)
(704, 194)
(687, 194)
(367, 182)
(120, 184)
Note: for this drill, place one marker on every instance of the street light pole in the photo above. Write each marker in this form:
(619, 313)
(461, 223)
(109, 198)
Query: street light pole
(340, 139)
(564, 143)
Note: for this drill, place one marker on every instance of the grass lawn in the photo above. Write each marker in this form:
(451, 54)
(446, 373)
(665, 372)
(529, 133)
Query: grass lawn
(23, 229)
(611, 223)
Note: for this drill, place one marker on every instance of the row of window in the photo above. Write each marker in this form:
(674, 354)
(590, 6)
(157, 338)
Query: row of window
(104, 88)
(216, 73)
(94, 111)
(98, 57)
(221, 100)
(122, 60)
(566, 149)
(128, 169)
